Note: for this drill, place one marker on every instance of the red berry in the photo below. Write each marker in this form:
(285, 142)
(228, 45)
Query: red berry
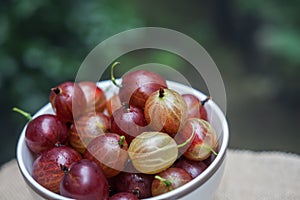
(137, 86)
(166, 111)
(86, 128)
(128, 121)
(137, 183)
(84, 180)
(68, 101)
(169, 180)
(193, 168)
(45, 132)
(109, 151)
(204, 142)
(47, 167)
(195, 107)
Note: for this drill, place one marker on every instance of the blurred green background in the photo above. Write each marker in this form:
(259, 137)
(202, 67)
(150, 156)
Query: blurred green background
(255, 44)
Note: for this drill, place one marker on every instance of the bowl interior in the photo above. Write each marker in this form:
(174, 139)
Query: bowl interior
(217, 119)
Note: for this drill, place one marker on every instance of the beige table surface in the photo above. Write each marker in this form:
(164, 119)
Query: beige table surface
(248, 175)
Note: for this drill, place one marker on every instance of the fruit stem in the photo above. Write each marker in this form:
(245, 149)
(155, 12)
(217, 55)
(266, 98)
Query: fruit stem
(64, 168)
(165, 181)
(25, 114)
(161, 93)
(56, 90)
(188, 140)
(112, 77)
(122, 140)
(210, 149)
(205, 100)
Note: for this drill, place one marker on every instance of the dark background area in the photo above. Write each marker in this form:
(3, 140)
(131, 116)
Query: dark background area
(255, 44)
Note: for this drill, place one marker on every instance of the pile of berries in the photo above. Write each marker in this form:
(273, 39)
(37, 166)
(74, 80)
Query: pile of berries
(145, 140)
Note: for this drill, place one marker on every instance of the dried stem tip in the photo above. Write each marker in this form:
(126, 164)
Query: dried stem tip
(56, 90)
(161, 93)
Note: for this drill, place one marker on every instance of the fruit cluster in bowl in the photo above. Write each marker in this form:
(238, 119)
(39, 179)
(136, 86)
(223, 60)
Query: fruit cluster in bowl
(132, 138)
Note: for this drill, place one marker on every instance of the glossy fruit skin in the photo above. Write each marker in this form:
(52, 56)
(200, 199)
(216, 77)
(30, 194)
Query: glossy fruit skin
(86, 181)
(204, 140)
(45, 132)
(193, 168)
(94, 96)
(86, 128)
(210, 159)
(137, 183)
(47, 167)
(128, 121)
(176, 176)
(123, 196)
(107, 153)
(68, 101)
(152, 152)
(137, 86)
(195, 107)
(113, 103)
(166, 111)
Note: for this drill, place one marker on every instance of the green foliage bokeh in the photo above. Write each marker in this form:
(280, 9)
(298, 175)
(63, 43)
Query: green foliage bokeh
(255, 44)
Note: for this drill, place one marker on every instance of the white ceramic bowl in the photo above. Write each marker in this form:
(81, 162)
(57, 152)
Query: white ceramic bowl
(202, 186)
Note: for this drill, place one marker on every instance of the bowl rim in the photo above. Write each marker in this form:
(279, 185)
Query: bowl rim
(177, 193)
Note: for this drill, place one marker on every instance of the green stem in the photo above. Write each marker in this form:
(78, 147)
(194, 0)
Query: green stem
(188, 140)
(165, 181)
(112, 77)
(210, 149)
(25, 114)
(122, 140)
